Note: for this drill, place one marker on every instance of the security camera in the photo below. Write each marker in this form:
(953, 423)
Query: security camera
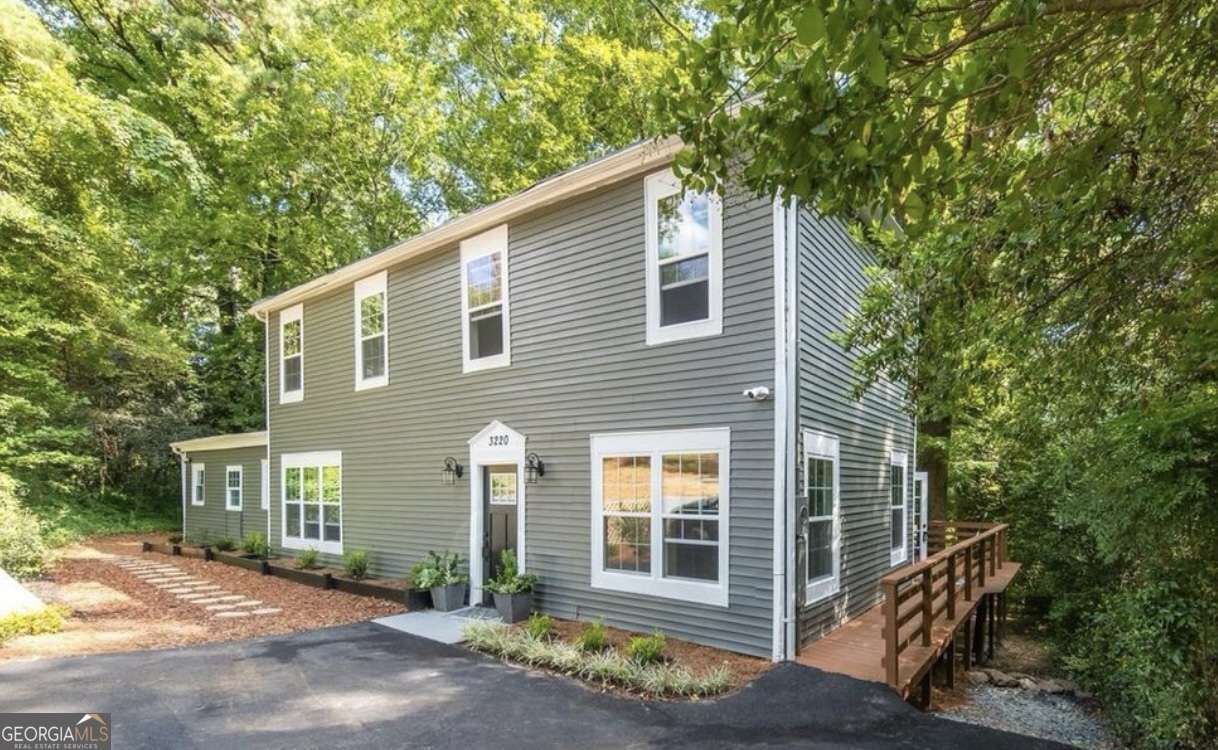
(758, 393)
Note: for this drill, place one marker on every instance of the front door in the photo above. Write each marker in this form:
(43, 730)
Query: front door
(499, 487)
(921, 513)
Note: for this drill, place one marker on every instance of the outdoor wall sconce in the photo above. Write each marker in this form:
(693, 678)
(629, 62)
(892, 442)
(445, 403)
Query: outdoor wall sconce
(452, 470)
(534, 467)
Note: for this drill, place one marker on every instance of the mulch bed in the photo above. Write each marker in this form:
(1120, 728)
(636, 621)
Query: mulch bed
(113, 610)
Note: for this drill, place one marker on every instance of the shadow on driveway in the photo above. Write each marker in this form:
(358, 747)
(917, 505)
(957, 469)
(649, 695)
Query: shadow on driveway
(364, 685)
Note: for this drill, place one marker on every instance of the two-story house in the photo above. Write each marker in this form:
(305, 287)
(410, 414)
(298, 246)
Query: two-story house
(636, 388)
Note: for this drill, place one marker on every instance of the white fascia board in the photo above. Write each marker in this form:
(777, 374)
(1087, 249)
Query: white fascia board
(221, 442)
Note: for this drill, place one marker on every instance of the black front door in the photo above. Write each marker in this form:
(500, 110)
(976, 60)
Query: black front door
(499, 489)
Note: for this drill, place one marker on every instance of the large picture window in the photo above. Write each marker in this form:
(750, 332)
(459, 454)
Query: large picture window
(233, 487)
(898, 506)
(485, 324)
(371, 332)
(312, 501)
(291, 354)
(684, 261)
(823, 530)
(660, 503)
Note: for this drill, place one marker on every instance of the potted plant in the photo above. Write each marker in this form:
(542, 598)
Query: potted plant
(418, 596)
(442, 574)
(512, 590)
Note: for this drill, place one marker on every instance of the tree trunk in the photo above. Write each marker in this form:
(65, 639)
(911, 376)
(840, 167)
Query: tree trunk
(934, 440)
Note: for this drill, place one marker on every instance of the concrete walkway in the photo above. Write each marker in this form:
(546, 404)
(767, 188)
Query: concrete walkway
(365, 685)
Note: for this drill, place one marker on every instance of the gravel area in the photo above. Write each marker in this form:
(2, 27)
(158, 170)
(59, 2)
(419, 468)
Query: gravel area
(1050, 717)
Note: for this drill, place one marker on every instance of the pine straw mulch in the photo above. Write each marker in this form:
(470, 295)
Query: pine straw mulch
(113, 610)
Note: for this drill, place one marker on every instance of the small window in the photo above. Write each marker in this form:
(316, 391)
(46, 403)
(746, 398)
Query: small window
(898, 507)
(233, 481)
(485, 324)
(660, 503)
(371, 333)
(684, 261)
(198, 484)
(312, 501)
(823, 531)
(265, 485)
(291, 360)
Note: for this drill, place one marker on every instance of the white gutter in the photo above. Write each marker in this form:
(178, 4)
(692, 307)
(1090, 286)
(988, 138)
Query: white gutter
(633, 160)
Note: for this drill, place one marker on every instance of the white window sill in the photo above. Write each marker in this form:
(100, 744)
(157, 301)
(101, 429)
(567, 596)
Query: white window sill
(821, 590)
(370, 383)
(897, 557)
(696, 329)
(487, 363)
(193, 504)
(690, 591)
(234, 510)
(328, 548)
(291, 397)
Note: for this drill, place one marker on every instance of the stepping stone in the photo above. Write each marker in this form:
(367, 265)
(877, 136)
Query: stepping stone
(232, 614)
(266, 611)
(212, 600)
(250, 603)
(219, 607)
(184, 590)
(230, 598)
(212, 590)
(189, 597)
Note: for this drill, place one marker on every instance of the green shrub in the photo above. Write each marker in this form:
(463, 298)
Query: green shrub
(508, 580)
(23, 552)
(225, 544)
(438, 570)
(540, 627)
(647, 649)
(592, 638)
(355, 563)
(255, 544)
(49, 619)
(306, 559)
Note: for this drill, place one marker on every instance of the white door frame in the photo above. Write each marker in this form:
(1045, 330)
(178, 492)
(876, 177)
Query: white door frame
(921, 478)
(495, 444)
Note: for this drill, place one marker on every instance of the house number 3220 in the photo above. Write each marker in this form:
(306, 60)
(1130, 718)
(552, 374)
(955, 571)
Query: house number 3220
(499, 439)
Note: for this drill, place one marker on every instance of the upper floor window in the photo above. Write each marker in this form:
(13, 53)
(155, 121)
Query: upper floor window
(823, 531)
(898, 507)
(371, 332)
(684, 261)
(485, 322)
(660, 513)
(291, 354)
(233, 487)
(198, 483)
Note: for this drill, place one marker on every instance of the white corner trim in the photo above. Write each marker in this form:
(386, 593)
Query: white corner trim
(661, 185)
(264, 483)
(288, 315)
(779, 598)
(368, 287)
(825, 446)
(494, 444)
(482, 245)
(240, 487)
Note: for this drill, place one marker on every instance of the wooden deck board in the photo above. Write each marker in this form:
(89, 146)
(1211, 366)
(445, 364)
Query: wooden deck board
(856, 648)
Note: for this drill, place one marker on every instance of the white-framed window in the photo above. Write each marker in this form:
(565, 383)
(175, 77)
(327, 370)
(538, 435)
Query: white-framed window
(486, 338)
(312, 485)
(371, 332)
(291, 354)
(822, 482)
(198, 483)
(265, 484)
(898, 505)
(660, 513)
(234, 481)
(684, 261)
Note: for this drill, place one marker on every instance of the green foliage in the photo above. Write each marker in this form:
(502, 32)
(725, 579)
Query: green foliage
(439, 570)
(647, 649)
(49, 619)
(23, 552)
(225, 544)
(255, 544)
(540, 627)
(508, 580)
(593, 639)
(606, 666)
(306, 559)
(355, 562)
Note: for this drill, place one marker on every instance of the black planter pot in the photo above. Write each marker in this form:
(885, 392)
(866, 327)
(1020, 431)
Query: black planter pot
(450, 597)
(514, 607)
(418, 599)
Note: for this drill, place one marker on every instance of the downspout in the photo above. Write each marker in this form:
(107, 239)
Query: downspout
(181, 483)
(792, 359)
(780, 584)
(266, 403)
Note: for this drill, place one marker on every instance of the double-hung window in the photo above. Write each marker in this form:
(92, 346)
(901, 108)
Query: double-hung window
(291, 354)
(233, 487)
(485, 321)
(660, 513)
(198, 483)
(684, 261)
(312, 501)
(823, 530)
(371, 333)
(898, 506)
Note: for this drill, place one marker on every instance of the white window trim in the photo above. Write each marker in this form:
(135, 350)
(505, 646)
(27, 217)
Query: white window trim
(897, 458)
(655, 187)
(491, 241)
(196, 470)
(822, 446)
(716, 440)
(240, 487)
(288, 315)
(302, 460)
(371, 286)
(265, 485)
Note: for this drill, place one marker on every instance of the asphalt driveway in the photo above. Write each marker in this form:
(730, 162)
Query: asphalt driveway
(364, 685)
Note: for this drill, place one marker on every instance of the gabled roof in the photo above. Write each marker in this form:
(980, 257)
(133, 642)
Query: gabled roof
(221, 442)
(583, 178)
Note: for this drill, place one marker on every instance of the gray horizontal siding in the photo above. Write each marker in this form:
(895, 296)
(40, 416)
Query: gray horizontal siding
(831, 281)
(580, 365)
(211, 521)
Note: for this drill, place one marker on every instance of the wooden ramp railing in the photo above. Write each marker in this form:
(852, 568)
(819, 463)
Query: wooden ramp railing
(924, 603)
